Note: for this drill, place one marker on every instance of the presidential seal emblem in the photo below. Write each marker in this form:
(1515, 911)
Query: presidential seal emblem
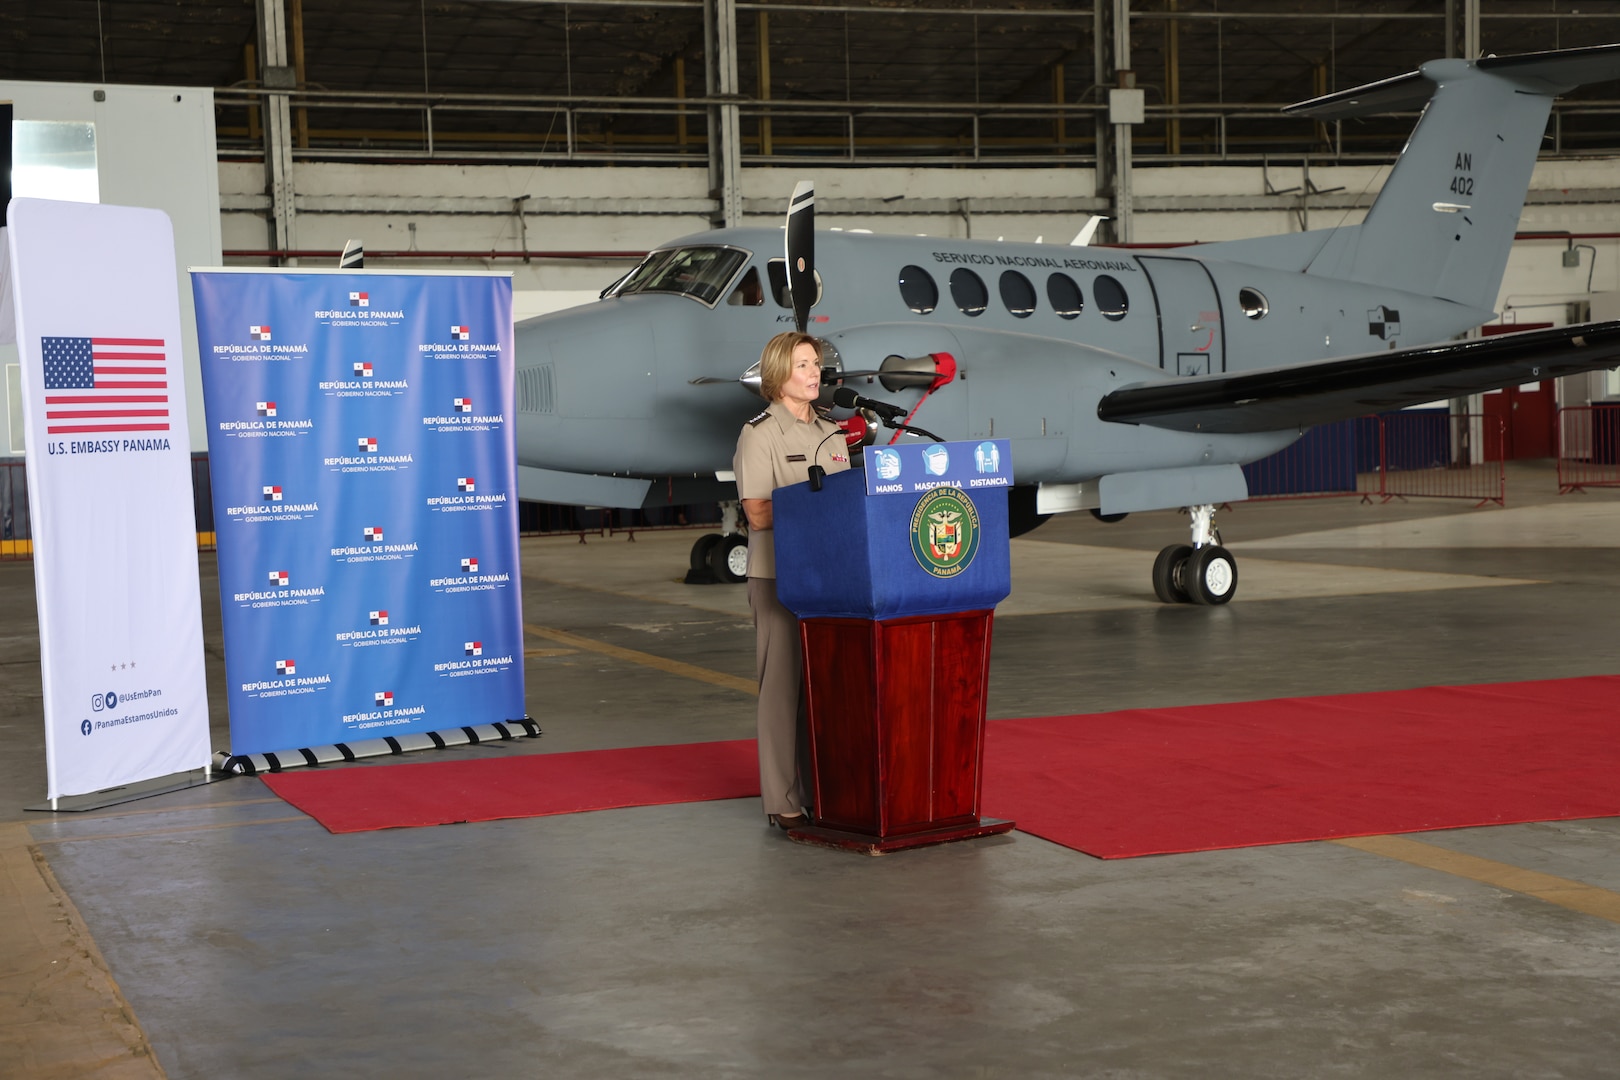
(945, 531)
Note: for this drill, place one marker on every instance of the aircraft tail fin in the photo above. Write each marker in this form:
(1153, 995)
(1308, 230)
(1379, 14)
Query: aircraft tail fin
(1444, 222)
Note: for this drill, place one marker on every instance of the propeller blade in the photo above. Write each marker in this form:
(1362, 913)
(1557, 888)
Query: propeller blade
(801, 251)
(709, 380)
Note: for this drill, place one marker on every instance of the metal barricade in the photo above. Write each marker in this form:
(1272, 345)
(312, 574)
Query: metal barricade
(1588, 447)
(1437, 454)
(1415, 453)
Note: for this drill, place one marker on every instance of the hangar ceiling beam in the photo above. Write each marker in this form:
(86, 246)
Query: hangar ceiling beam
(278, 78)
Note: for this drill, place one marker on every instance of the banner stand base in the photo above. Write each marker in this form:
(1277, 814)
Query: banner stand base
(253, 764)
(158, 785)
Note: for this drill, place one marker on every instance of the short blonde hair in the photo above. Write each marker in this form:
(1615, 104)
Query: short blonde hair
(776, 361)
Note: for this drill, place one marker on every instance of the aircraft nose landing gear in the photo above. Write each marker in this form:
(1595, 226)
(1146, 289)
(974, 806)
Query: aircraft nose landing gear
(1201, 573)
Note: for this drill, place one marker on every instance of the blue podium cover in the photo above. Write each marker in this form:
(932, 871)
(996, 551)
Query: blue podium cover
(844, 553)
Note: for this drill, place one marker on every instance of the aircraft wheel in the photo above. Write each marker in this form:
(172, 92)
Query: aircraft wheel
(728, 559)
(1168, 574)
(1211, 575)
(701, 549)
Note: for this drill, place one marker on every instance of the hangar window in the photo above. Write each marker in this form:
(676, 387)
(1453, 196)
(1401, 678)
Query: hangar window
(699, 272)
(1064, 296)
(1018, 294)
(749, 292)
(918, 290)
(1110, 297)
(1253, 302)
(967, 289)
(777, 268)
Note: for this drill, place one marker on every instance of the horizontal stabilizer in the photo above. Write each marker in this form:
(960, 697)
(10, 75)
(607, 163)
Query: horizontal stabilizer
(1552, 73)
(1305, 394)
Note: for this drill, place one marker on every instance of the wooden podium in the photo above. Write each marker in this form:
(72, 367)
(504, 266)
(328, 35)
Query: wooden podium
(895, 591)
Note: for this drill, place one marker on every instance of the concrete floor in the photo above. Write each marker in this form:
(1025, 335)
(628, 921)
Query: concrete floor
(682, 941)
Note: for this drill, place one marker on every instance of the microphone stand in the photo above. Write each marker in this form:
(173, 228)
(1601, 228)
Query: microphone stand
(896, 425)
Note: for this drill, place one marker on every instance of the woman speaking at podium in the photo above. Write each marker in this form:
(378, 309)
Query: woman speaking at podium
(777, 448)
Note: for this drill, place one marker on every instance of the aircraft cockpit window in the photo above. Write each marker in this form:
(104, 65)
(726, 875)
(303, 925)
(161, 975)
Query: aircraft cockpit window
(1253, 302)
(777, 269)
(1110, 297)
(1064, 296)
(918, 290)
(698, 272)
(967, 289)
(1018, 294)
(749, 292)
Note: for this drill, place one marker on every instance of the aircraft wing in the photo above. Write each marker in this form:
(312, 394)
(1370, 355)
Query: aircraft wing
(1302, 395)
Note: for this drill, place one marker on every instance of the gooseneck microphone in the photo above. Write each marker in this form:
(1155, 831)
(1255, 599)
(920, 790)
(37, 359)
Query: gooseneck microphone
(846, 398)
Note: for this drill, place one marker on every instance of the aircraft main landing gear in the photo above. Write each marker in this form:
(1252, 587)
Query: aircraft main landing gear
(1203, 572)
(722, 557)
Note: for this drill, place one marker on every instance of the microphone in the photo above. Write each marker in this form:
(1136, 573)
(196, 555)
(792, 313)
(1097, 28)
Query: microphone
(846, 398)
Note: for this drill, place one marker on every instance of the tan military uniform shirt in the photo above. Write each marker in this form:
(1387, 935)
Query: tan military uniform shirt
(774, 450)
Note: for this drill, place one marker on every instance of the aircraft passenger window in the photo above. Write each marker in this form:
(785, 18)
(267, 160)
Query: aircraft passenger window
(918, 290)
(1253, 302)
(1110, 297)
(698, 272)
(967, 289)
(777, 268)
(1018, 294)
(749, 292)
(1064, 296)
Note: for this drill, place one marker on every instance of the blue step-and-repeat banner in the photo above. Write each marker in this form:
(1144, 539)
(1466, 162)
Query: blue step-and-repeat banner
(360, 436)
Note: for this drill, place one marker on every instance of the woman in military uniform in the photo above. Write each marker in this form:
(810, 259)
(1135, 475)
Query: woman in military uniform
(777, 448)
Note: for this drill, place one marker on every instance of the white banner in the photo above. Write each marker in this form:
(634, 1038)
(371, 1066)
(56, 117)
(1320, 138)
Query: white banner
(109, 478)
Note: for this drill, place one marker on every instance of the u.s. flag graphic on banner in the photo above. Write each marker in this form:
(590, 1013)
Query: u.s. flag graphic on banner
(104, 410)
(105, 385)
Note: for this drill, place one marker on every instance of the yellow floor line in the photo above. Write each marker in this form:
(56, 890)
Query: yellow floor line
(1575, 895)
(671, 667)
(167, 832)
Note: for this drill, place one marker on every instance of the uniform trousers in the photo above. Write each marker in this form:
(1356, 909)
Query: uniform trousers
(781, 722)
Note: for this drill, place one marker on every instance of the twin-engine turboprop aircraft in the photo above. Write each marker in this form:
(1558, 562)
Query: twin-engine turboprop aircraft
(1125, 381)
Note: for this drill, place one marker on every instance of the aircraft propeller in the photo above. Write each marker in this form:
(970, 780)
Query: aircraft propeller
(801, 251)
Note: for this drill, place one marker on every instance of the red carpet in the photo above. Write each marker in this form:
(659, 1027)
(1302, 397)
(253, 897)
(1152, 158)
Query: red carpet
(1141, 782)
(1152, 781)
(529, 785)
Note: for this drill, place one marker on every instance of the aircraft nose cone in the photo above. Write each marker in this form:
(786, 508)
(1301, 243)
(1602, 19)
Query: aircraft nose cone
(602, 362)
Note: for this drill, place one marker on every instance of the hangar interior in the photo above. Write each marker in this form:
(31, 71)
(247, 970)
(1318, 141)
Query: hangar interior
(217, 933)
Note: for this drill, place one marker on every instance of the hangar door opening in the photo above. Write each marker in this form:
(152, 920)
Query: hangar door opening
(1192, 340)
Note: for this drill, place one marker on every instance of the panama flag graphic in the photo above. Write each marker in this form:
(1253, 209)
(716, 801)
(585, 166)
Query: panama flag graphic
(367, 445)
(105, 385)
(362, 368)
(272, 493)
(460, 333)
(474, 648)
(463, 404)
(265, 408)
(384, 699)
(465, 483)
(259, 333)
(279, 578)
(469, 566)
(286, 667)
(379, 618)
(374, 534)
(359, 299)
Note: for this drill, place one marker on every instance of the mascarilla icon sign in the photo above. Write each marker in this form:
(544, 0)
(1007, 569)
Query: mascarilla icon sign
(888, 464)
(936, 459)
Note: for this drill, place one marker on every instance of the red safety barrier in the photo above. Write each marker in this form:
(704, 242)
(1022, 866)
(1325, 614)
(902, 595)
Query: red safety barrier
(1419, 453)
(1435, 454)
(1588, 447)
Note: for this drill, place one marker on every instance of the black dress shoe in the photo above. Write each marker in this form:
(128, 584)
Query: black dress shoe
(790, 821)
